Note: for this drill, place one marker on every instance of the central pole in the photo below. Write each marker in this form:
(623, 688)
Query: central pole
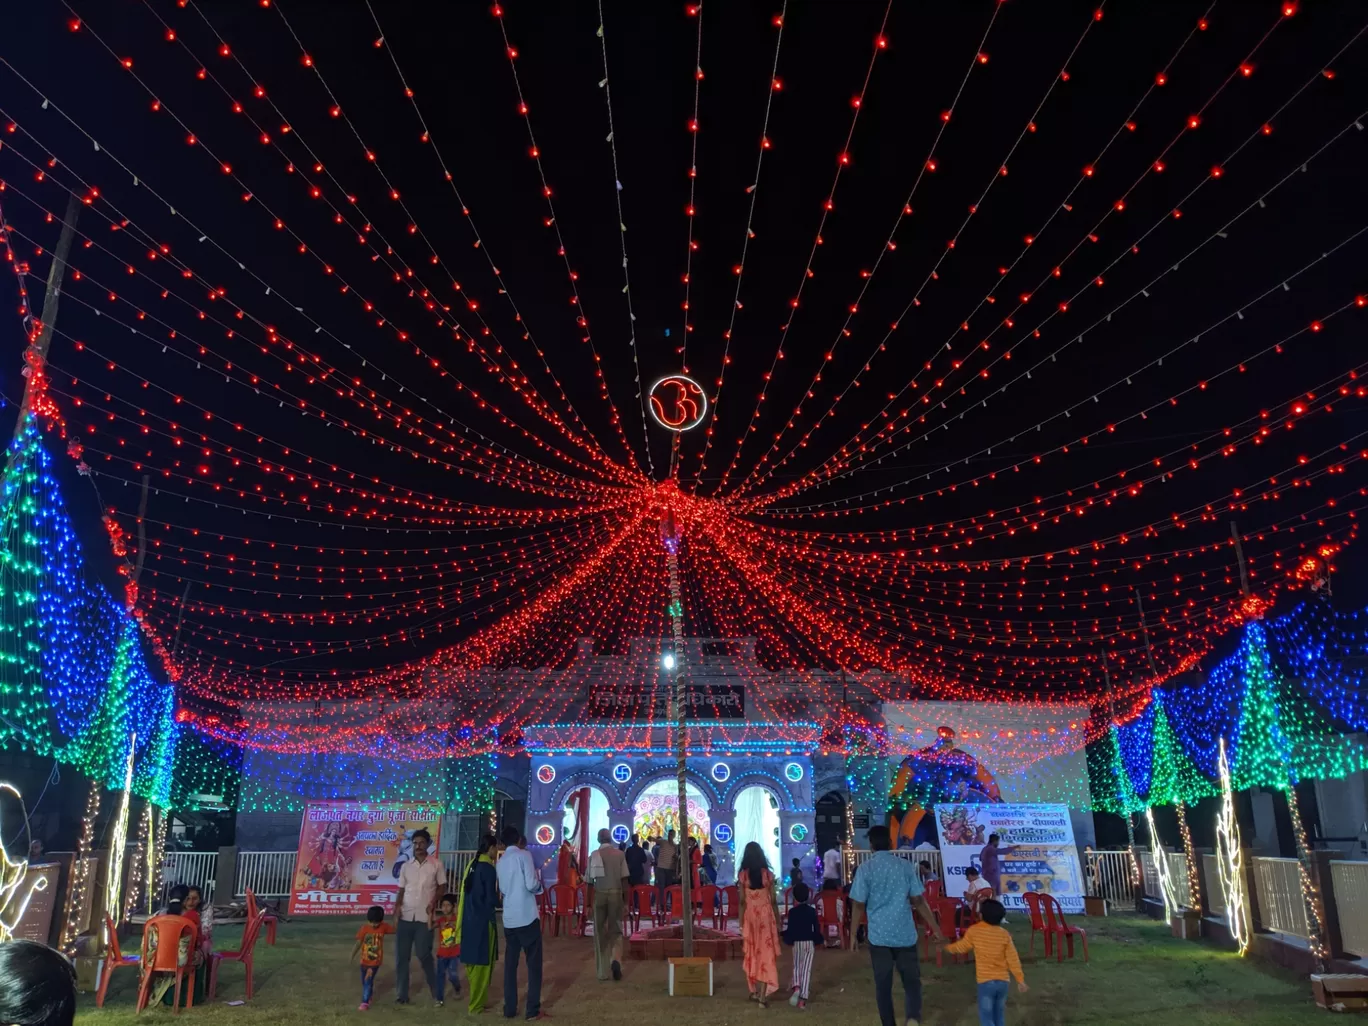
(671, 536)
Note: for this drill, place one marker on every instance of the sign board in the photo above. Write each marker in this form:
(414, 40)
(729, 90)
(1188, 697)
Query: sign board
(1036, 850)
(350, 854)
(39, 886)
(702, 702)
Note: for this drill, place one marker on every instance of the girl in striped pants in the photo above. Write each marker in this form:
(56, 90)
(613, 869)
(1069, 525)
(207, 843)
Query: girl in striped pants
(804, 933)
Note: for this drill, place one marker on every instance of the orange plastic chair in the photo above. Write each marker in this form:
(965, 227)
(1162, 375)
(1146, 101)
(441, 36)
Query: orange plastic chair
(947, 914)
(673, 905)
(243, 954)
(641, 902)
(831, 916)
(708, 907)
(563, 903)
(254, 910)
(166, 958)
(113, 959)
(1037, 922)
(1055, 924)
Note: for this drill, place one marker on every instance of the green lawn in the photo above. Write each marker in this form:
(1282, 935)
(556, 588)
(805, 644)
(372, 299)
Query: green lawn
(1138, 974)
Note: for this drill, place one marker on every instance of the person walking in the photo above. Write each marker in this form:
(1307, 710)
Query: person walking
(520, 884)
(880, 894)
(637, 861)
(475, 923)
(421, 880)
(608, 876)
(666, 867)
(995, 961)
(831, 869)
(989, 865)
(759, 924)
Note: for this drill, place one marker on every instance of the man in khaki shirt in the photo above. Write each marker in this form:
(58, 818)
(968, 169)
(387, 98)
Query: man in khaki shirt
(608, 875)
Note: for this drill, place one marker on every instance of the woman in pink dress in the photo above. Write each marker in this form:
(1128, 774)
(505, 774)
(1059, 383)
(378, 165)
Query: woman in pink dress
(759, 924)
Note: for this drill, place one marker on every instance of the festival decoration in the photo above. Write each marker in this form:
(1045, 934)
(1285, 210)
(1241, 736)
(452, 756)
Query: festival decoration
(1230, 859)
(678, 403)
(14, 897)
(79, 887)
(114, 874)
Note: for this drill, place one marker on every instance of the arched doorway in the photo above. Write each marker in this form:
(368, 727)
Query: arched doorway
(657, 811)
(831, 821)
(598, 815)
(757, 819)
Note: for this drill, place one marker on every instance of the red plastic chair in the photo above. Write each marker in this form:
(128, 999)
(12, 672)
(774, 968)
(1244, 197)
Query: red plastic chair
(243, 954)
(168, 931)
(543, 910)
(113, 959)
(947, 917)
(708, 906)
(254, 910)
(786, 905)
(1037, 922)
(673, 905)
(1055, 924)
(933, 890)
(731, 904)
(832, 918)
(563, 903)
(641, 902)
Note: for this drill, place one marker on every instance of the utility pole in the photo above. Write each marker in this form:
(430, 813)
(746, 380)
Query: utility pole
(35, 356)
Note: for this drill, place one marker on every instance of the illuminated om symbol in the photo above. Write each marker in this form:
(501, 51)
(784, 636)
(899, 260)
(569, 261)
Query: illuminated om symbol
(678, 403)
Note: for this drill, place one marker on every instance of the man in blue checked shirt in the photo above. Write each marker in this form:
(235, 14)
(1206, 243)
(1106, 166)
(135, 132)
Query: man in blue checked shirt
(885, 891)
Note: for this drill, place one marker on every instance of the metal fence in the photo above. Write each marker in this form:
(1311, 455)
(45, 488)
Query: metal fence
(1111, 875)
(192, 868)
(267, 873)
(859, 856)
(1281, 906)
(456, 863)
(1351, 901)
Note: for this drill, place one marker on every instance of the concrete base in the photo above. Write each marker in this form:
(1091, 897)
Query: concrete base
(660, 943)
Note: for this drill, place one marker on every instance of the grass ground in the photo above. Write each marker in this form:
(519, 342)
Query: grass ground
(1138, 974)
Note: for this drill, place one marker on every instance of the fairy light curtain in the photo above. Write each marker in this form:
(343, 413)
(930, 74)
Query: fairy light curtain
(76, 686)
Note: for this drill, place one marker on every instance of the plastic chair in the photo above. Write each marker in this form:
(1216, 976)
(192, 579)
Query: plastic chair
(243, 954)
(254, 910)
(543, 910)
(166, 958)
(672, 905)
(641, 902)
(947, 915)
(786, 906)
(708, 906)
(731, 904)
(1055, 924)
(113, 959)
(563, 903)
(832, 917)
(1037, 922)
(933, 890)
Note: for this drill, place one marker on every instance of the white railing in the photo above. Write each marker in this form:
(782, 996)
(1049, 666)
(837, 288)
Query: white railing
(859, 856)
(1177, 867)
(1351, 902)
(1277, 883)
(456, 863)
(1111, 875)
(1211, 881)
(192, 868)
(268, 873)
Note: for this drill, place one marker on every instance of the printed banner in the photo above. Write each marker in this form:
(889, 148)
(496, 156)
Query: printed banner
(1036, 851)
(350, 854)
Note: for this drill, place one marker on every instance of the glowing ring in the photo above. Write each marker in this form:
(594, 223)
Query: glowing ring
(722, 832)
(545, 834)
(546, 773)
(622, 773)
(720, 772)
(794, 772)
(678, 403)
(621, 834)
(798, 832)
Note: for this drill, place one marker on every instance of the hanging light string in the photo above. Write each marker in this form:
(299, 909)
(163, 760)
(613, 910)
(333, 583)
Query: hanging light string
(695, 11)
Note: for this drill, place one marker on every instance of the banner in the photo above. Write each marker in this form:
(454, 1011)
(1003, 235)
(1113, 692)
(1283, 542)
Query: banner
(701, 701)
(350, 854)
(1036, 850)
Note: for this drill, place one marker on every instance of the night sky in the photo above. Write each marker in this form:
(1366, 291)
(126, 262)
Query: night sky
(1105, 236)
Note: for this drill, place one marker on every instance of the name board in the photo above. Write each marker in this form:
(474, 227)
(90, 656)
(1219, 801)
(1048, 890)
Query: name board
(701, 702)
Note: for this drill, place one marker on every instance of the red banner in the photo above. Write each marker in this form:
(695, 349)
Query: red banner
(350, 854)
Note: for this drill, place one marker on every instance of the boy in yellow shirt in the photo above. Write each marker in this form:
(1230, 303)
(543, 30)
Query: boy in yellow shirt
(995, 957)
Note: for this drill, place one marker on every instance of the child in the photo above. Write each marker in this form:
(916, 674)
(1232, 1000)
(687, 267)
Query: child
(446, 928)
(370, 942)
(795, 873)
(995, 957)
(804, 933)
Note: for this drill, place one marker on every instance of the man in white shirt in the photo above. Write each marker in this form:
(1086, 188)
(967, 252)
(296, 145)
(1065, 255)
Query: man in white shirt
(520, 884)
(421, 880)
(975, 888)
(831, 870)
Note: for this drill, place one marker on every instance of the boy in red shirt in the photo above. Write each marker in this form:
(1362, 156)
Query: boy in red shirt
(370, 944)
(446, 928)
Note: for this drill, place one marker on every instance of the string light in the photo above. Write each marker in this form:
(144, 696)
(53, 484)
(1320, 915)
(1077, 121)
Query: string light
(81, 876)
(119, 841)
(13, 873)
(1230, 858)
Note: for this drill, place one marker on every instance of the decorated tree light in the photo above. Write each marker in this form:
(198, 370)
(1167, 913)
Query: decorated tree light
(1230, 859)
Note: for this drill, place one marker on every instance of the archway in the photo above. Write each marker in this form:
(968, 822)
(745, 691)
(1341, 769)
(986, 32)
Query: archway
(657, 811)
(831, 824)
(598, 815)
(757, 819)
